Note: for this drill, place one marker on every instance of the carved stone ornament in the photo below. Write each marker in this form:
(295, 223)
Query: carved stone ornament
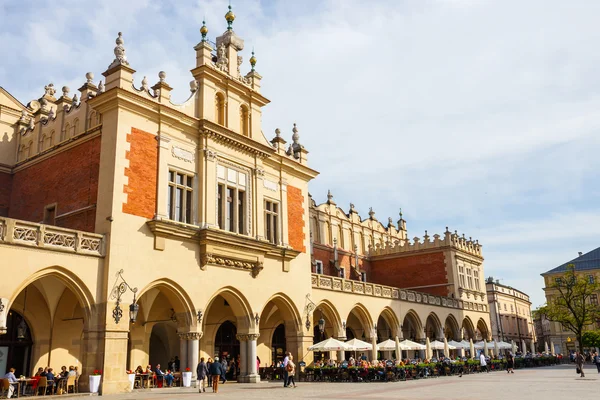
(31, 123)
(23, 116)
(49, 90)
(191, 335)
(145, 84)
(210, 155)
(240, 60)
(120, 57)
(193, 86)
(100, 87)
(259, 172)
(222, 60)
(209, 258)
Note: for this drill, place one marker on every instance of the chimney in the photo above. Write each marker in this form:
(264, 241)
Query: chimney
(580, 254)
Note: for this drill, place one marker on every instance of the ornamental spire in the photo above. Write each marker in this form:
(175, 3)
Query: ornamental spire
(229, 17)
(253, 60)
(203, 30)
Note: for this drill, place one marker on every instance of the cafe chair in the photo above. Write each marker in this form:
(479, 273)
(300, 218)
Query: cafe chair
(70, 384)
(5, 385)
(45, 384)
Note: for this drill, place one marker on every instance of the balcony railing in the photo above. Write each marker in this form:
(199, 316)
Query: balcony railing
(371, 289)
(24, 233)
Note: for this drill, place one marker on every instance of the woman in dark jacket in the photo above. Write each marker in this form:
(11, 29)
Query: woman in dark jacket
(510, 364)
(201, 373)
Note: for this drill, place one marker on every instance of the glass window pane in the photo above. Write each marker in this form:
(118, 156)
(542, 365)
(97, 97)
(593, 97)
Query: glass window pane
(171, 176)
(241, 200)
(242, 180)
(179, 179)
(275, 230)
(268, 227)
(220, 206)
(178, 204)
(230, 194)
(232, 175)
(188, 207)
(190, 181)
(170, 202)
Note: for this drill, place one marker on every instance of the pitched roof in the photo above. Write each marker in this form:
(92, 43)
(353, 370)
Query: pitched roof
(584, 262)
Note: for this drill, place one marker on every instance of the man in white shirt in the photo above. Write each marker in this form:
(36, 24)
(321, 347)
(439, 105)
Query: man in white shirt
(286, 360)
(483, 363)
(12, 379)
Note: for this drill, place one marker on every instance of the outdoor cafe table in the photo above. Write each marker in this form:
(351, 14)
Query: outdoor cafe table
(23, 384)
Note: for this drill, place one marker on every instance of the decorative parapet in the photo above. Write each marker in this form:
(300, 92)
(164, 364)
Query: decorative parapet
(452, 240)
(371, 289)
(23, 233)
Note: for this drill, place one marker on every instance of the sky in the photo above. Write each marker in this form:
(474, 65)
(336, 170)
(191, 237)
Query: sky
(483, 116)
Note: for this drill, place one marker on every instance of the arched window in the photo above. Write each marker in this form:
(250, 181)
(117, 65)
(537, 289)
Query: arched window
(92, 119)
(67, 134)
(21, 155)
(220, 108)
(244, 121)
(41, 142)
(49, 140)
(28, 151)
(75, 127)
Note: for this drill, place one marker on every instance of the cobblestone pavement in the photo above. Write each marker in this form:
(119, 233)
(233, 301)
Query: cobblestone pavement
(548, 383)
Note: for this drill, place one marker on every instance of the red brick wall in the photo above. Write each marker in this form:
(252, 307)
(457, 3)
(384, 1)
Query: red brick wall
(345, 260)
(410, 271)
(143, 161)
(5, 189)
(296, 222)
(69, 179)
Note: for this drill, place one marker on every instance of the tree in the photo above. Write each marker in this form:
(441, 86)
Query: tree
(591, 338)
(569, 302)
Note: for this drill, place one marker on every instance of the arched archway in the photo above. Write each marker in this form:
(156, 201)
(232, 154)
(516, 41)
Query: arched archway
(360, 321)
(482, 331)
(412, 327)
(468, 329)
(451, 329)
(333, 322)
(49, 313)
(433, 327)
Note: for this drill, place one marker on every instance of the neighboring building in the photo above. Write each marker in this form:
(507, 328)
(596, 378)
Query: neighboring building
(510, 314)
(212, 222)
(587, 265)
(542, 331)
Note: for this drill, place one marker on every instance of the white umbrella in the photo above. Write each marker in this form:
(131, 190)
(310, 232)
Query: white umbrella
(398, 351)
(410, 345)
(485, 348)
(330, 344)
(387, 345)
(458, 345)
(471, 348)
(552, 348)
(447, 347)
(428, 352)
(546, 347)
(504, 346)
(496, 348)
(479, 345)
(523, 346)
(532, 347)
(357, 345)
(437, 345)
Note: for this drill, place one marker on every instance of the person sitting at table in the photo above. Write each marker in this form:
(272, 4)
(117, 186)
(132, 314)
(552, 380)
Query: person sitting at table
(139, 370)
(162, 376)
(72, 371)
(44, 372)
(10, 375)
(39, 372)
(63, 372)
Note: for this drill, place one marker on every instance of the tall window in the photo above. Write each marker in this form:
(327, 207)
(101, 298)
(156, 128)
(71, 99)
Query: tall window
(179, 197)
(504, 306)
(244, 121)
(594, 299)
(272, 221)
(220, 108)
(469, 278)
(50, 215)
(231, 197)
(476, 277)
(342, 273)
(363, 276)
(461, 275)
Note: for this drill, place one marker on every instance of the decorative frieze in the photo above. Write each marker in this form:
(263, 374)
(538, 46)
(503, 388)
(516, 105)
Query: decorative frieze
(183, 154)
(191, 335)
(253, 267)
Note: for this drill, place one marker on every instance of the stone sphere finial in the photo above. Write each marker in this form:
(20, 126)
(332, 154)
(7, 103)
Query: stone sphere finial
(277, 132)
(119, 39)
(162, 76)
(65, 90)
(90, 77)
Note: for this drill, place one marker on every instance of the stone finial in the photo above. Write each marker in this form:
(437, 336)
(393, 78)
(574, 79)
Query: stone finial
(100, 87)
(400, 213)
(329, 197)
(229, 17)
(90, 77)
(120, 57)
(65, 90)
(253, 60)
(193, 86)
(277, 133)
(371, 213)
(49, 90)
(295, 135)
(145, 84)
(390, 222)
(75, 99)
(352, 208)
(44, 104)
(162, 75)
(203, 31)
(31, 123)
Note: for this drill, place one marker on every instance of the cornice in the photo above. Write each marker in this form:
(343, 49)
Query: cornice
(470, 259)
(223, 135)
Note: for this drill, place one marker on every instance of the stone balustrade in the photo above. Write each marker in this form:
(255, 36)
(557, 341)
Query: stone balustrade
(24, 233)
(326, 282)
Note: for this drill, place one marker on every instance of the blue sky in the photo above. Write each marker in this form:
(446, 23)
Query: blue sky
(480, 116)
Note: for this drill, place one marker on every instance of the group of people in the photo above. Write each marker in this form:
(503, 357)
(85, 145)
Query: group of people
(54, 381)
(213, 371)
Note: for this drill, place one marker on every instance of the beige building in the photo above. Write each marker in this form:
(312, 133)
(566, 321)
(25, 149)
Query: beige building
(586, 265)
(510, 315)
(115, 199)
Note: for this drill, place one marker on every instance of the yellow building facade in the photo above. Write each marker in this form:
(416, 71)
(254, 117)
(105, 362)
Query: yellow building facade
(117, 197)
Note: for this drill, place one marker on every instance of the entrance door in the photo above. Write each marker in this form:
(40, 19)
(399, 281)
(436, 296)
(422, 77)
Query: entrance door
(278, 345)
(15, 346)
(226, 344)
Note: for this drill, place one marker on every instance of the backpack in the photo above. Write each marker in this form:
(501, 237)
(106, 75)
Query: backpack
(289, 367)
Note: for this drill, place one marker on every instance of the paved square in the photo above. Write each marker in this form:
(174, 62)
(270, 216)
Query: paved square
(559, 382)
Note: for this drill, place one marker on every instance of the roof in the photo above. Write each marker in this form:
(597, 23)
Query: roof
(584, 262)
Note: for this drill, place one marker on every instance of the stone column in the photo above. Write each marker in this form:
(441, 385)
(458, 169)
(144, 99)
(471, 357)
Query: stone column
(183, 351)
(193, 350)
(243, 376)
(253, 376)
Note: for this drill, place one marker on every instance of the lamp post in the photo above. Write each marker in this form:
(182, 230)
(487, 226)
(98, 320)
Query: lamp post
(118, 290)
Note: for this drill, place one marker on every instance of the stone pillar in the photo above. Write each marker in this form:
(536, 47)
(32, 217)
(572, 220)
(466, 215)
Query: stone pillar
(243, 357)
(253, 376)
(183, 351)
(193, 350)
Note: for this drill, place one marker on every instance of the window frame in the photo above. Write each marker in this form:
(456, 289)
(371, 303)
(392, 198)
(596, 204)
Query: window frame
(233, 214)
(187, 196)
(319, 267)
(273, 235)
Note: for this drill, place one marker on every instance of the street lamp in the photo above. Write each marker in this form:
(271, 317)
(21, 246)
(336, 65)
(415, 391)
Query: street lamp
(117, 293)
(322, 325)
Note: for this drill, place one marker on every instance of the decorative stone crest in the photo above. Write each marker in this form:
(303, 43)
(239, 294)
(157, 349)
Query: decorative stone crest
(193, 86)
(24, 116)
(253, 267)
(240, 60)
(31, 123)
(120, 57)
(49, 90)
(259, 172)
(65, 91)
(100, 87)
(222, 60)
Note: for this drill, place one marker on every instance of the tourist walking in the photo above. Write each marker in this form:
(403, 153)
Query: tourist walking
(483, 363)
(201, 373)
(224, 369)
(596, 360)
(286, 360)
(291, 370)
(215, 372)
(510, 364)
(579, 363)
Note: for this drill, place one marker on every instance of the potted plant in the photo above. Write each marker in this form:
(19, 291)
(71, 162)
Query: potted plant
(186, 377)
(131, 376)
(95, 381)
